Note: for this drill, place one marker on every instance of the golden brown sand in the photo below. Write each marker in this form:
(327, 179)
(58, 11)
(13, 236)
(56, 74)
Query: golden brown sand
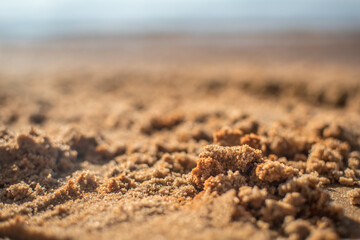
(179, 137)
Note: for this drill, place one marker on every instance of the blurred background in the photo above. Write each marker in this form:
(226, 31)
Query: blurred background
(63, 35)
(31, 19)
(62, 55)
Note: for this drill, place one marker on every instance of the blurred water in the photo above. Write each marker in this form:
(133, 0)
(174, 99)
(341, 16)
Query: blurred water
(46, 18)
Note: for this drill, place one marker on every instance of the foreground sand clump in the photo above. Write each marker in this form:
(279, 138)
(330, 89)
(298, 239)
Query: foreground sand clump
(267, 192)
(217, 160)
(355, 196)
(33, 158)
(272, 171)
(328, 150)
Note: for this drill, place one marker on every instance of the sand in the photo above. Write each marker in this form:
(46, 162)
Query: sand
(179, 136)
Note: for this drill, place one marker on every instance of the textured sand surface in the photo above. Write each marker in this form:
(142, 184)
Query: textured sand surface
(183, 137)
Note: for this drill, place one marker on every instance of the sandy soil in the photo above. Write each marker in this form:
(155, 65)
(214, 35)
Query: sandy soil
(148, 137)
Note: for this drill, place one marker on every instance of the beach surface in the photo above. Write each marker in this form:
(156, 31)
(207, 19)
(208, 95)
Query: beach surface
(181, 136)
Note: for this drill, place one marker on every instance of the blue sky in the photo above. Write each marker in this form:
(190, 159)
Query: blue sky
(33, 17)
